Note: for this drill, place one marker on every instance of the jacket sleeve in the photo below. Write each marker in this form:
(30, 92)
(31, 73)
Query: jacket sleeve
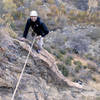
(44, 29)
(26, 29)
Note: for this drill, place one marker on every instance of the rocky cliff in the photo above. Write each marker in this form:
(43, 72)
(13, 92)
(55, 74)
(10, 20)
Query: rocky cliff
(41, 79)
(41, 70)
(68, 68)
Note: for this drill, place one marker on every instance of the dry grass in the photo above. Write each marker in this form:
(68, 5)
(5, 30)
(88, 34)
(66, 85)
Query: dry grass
(54, 10)
(51, 1)
(94, 85)
(10, 31)
(8, 18)
(9, 6)
(96, 77)
(1, 21)
(84, 17)
(39, 2)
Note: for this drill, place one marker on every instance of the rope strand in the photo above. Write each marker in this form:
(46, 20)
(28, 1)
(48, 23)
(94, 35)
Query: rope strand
(22, 70)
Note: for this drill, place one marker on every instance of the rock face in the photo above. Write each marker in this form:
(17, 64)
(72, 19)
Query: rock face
(41, 79)
(41, 70)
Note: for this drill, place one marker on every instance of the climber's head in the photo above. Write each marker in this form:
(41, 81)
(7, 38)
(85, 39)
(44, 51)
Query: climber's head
(33, 15)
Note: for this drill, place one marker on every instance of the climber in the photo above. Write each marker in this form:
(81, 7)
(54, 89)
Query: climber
(39, 28)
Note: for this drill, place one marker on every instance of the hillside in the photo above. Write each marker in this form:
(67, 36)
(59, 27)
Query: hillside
(41, 78)
(68, 68)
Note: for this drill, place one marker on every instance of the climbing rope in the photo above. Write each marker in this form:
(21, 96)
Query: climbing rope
(17, 85)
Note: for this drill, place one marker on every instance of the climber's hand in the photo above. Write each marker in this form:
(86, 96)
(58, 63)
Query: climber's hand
(38, 37)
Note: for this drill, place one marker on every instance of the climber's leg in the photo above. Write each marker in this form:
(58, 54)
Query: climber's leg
(40, 44)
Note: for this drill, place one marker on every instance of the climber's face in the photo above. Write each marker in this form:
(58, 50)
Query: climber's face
(33, 18)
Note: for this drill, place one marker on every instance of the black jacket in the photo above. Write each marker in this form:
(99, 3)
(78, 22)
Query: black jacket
(38, 27)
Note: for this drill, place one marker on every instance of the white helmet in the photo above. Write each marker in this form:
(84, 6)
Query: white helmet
(33, 13)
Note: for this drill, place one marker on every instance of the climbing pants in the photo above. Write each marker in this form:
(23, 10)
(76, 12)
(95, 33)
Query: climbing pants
(39, 43)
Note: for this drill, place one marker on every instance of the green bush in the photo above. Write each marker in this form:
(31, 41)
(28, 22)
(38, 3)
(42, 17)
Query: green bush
(13, 26)
(78, 65)
(77, 68)
(62, 51)
(68, 60)
(58, 55)
(63, 69)
(93, 78)
(48, 49)
(53, 46)
(85, 67)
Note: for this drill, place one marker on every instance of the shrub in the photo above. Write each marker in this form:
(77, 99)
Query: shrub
(85, 67)
(9, 6)
(18, 15)
(68, 60)
(63, 69)
(62, 8)
(93, 78)
(58, 14)
(48, 49)
(58, 55)
(18, 2)
(78, 65)
(1, 21)
(53, 46)
(13, 26)
(84, 17)
(62, 51)
(39, 2)
(77, 68)
(51, 1)
(54, 10)
(8, 18)
(11, 32)
(2, 51)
